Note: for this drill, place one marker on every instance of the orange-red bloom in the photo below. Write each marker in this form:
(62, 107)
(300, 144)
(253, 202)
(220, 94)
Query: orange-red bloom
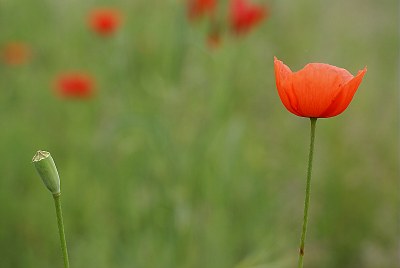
(16, 53)
(244, 15)
(317, 90)
(75, 85)
(105, 21)
(199, 8)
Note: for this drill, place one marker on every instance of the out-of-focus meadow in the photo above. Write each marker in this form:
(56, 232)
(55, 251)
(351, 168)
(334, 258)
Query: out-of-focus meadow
(185, 156)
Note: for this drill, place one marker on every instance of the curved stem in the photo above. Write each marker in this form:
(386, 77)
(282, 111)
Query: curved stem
(57, 203)
(308, 189)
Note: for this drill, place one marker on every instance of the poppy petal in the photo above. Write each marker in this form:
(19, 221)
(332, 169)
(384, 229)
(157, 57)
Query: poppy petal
(343, 98)
(318, 83)
(283, 78)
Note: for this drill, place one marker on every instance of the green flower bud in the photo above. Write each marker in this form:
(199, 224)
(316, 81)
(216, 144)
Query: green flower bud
(47, 170)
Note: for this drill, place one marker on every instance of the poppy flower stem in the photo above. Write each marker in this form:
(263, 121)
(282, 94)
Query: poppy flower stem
(57, 203)
(308, 188)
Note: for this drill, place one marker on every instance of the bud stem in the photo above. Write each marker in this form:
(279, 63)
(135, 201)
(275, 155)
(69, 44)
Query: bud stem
(57, 203)
(308, 190)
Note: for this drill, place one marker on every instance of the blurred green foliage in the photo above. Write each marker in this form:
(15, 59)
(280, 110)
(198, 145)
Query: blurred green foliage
(186, 157)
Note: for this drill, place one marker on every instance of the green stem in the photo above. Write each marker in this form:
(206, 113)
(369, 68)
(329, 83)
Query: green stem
(308, 188)
(57, 203)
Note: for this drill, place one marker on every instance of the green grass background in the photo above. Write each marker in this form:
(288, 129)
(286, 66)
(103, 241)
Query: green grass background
(186, 156)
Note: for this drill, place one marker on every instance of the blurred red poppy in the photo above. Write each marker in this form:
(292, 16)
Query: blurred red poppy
(75, 85)
(16, 53)
(244, 15)
(317, 90)
(105, 21)
(199, 8)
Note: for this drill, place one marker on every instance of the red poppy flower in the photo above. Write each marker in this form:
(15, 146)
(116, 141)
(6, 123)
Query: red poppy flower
(16, 53)
(105, 21)
(199, 8)
(318, 90)
(244, 16)
(75, 85)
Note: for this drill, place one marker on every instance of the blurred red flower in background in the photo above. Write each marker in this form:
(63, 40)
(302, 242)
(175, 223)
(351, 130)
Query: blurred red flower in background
(317, 90)
(240, 16)
(75, 85)
(244, 15)
(105, 21)
(199, 8)
(16, 53)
